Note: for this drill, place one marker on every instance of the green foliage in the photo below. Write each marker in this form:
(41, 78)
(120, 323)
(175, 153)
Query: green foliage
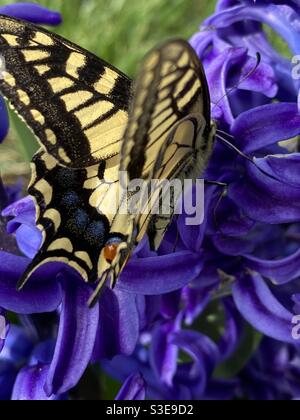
(122, 31)
(119, 31)
(249, 344)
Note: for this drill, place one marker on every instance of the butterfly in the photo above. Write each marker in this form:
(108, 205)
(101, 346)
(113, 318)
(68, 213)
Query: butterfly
(93, 123)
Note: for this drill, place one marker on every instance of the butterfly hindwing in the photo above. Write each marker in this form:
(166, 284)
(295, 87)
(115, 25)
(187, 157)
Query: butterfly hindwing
(73, 230)
(75, 103)
(169, 134)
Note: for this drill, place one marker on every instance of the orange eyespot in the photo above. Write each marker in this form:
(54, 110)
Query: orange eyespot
(110, 251)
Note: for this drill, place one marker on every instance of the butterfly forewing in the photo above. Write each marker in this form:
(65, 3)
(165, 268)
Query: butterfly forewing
(169, 134)
(75, 103)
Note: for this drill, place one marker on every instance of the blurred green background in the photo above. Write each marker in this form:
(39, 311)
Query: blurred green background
(119, 31)
(122, 31)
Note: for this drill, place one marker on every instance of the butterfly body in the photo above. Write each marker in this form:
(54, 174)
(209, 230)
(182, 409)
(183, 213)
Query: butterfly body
(93, 124)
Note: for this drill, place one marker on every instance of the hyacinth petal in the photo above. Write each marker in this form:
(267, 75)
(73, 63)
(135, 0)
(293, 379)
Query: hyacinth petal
(18, 345)
(32, 12)
(232, 330)
(260, 79)
(119, 324)
(160, 275)
(266, 125)
(41, 294)
(284, 168)
(280, 271)
(269, 15)
(121, 367)
(264, 199)
(24, 205)
(4, 120)
(133, 389)
(201, 41)
(232, 29)
(76, 337)
(26, 218)
(29, 240)
(261, 309)
(203, 351)
(4, 328)
(195, 303)
(296, 300)
(192, 236)
(29, 385)
(163, 353)
(221, 65)
(8, 373)
(197, 344)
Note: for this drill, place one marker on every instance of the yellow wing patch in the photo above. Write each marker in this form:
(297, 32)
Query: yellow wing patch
(56, 85)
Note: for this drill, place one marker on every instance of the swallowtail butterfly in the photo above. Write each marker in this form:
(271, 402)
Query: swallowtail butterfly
(91, 121)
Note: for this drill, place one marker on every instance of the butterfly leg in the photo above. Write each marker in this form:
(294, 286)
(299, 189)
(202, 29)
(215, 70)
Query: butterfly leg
(244, 156)
(216, 183)
(177, 235)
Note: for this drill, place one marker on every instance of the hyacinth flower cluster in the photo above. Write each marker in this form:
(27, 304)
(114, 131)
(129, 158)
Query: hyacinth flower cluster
(212, 318)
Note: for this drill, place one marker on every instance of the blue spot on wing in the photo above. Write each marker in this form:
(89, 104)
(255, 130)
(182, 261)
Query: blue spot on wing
(95, 233)
(78, 222)
(70, 200)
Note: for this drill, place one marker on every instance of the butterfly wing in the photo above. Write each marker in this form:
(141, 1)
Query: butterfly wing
(169, 135)
(73, 232)
(75, 103)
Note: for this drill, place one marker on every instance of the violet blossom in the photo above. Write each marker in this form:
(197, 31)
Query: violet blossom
(237, 272)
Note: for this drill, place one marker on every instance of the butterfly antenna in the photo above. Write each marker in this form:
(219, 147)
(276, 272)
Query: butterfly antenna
(244, 156)
(258, 61)
(223, 133)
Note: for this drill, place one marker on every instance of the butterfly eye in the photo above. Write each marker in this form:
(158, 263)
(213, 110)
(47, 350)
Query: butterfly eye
(111, 249)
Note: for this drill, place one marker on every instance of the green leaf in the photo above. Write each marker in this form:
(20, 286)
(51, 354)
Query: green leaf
(249, 344)
(110, 387)
(13, 318)
(211, 322)
(26, 141)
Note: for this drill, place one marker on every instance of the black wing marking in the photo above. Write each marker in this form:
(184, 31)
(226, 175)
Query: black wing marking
(169, 134)
(74, 232)
(75, 103)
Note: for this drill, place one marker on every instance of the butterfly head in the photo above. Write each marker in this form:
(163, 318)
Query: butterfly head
(115, 249)
(114, 256)
(110, 250)
(113, 259)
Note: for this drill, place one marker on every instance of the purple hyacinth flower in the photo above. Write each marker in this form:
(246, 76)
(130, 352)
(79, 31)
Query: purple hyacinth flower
(178, 317)
(22, 363)
(262, 198)
(4, 328)
(32, 12)
(272, 374)
(109, 329)
(133, 389)
(4, 121)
